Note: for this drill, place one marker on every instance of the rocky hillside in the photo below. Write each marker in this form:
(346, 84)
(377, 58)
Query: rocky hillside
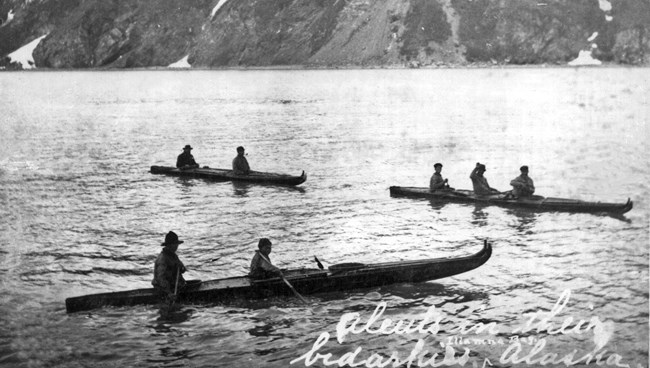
(320, 33)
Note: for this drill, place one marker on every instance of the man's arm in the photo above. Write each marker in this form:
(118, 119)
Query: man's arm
(267, 266)
(240, 166)
(474, 172)
(437, 184)
(517, 183)
(161, 276)
(531, 186)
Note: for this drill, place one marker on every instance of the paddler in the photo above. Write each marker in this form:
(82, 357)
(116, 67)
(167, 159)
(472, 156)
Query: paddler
(168, 270)
(261, 266)
(480, 183)
(437, 182)
(185, 160)
(240, 164)
(522, 186)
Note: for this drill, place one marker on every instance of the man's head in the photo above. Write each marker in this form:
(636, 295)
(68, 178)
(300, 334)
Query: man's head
(187, 148)
(437, 166)
(264, 246)
(481, 169)
(524, 170)
(240, 150)
(171, 241)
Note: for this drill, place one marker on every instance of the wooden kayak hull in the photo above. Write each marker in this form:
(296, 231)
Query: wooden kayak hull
(534, 202)
(228, 175)
(305, 281)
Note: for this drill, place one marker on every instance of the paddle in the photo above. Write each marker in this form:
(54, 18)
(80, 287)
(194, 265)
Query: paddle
(178, 274)
(320, 265)
(285, 280)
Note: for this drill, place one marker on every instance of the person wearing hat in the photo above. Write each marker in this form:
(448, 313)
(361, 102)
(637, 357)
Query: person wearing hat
(185, 160)
(240, 164)
(437, 182)
(168, 270)
(261, 266)
(479, 182)
(522, 186)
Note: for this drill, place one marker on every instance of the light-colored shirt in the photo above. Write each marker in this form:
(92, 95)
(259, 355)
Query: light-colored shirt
(480, 184)
(522, 186)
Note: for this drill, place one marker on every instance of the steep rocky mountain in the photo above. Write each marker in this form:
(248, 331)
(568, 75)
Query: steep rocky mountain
(321, 33)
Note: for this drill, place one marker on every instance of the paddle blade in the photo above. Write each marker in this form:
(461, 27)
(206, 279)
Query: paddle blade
(320, 265)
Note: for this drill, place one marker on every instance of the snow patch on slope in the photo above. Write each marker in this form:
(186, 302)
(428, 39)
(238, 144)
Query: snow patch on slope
(584, 58)
(24, 54)
(216, 8)
(182, 63)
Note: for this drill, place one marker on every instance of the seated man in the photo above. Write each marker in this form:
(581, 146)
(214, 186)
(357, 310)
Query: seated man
(480, 183)
(168, 269)
(522, 186)
(240, 164)
(437, 182)
(185, 160)
(261, 267)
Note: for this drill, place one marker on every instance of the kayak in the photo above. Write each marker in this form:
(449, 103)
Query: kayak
(338, 277)
(534, 202)
(228, 175)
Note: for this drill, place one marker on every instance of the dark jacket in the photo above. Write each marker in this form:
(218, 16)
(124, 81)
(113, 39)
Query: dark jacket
(165, 269)
(185, 159)
(240, 165)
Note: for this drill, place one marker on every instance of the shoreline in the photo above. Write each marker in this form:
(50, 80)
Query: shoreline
(469, 66)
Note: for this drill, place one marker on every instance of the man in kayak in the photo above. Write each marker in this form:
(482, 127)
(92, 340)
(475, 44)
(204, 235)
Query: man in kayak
(480, 183)
(240, 164)
(437, 182)
(185, 160)
(261, 266)
(168, 270)
(522, 186)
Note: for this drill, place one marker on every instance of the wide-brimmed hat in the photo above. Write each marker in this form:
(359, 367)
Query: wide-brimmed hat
(171, 238)
(437, 164)
(187, 147)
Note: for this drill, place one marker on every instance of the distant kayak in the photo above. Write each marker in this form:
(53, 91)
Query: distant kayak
(228, 175)
(534, 202)
(339, 277)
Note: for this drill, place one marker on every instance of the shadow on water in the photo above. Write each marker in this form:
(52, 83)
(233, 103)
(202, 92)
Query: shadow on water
(479, 217)
(526, 219)
(437, 205)
(241, 188)
(169, 315)
(424, 290)
(170, 353)
(265, 327)
(186, 182)
(616, 216)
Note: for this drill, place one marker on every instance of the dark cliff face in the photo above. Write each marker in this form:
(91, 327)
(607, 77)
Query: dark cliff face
(322, 33)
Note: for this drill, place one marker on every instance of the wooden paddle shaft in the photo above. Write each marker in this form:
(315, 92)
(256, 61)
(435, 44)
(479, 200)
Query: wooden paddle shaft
(285, 280)
(178, 274)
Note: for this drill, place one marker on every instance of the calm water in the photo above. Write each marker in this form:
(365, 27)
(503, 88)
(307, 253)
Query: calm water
(81, 213)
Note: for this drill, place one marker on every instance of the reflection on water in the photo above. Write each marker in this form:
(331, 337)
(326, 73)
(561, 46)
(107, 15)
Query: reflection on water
(479, 215)
(525, 220)
(241, 188)
(437, 205)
